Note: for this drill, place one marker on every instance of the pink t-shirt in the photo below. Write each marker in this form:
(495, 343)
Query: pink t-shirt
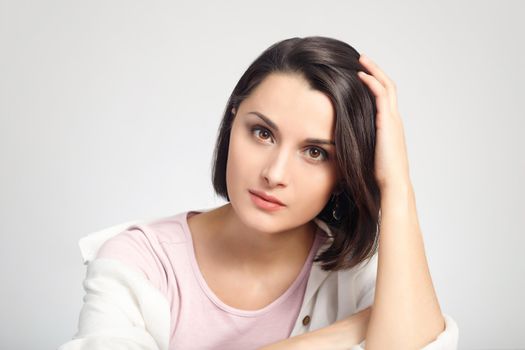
(162, 250)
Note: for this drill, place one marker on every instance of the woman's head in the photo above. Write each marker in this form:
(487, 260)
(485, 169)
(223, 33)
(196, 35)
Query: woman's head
(297, 90)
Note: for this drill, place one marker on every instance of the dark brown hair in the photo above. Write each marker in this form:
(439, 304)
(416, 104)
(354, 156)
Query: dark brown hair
(330, 66)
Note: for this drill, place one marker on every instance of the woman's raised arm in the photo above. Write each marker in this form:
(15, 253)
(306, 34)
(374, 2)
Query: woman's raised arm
(406, 312)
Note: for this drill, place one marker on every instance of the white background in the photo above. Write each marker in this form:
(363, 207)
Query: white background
(109, 112)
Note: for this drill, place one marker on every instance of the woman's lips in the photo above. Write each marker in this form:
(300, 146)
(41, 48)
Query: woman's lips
(264, 204)
(266, 197)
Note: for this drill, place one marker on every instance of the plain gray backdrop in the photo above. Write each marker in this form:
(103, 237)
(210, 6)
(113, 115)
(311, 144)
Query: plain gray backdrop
(109, 112)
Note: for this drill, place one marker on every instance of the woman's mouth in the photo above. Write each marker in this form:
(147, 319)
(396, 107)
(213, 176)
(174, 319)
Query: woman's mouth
(265, 204)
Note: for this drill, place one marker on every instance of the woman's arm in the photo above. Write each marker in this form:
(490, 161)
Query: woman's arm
(405, 313)
(341, 335)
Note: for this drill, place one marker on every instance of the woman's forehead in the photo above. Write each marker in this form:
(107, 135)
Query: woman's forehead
(285, 99)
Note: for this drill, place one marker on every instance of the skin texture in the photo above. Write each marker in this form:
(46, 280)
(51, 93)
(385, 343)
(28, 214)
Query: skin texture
(340, 335)
(280, 164)
(240, 241)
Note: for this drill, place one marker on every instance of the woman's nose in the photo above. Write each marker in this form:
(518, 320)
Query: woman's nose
(277, 169)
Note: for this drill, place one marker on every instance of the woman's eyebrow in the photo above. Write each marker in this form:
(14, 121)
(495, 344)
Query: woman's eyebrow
(274, 126)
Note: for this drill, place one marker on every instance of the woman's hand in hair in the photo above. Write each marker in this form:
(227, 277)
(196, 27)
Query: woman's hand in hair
(391, 160)
(341, 335)
(403, 286)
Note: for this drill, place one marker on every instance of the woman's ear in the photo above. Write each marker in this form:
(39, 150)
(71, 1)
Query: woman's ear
(234, 110)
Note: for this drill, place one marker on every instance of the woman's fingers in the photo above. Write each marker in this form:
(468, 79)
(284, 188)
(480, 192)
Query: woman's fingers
(388, 87)
(378, 90)
(377, 72)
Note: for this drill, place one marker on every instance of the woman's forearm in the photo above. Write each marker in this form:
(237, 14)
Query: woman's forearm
(406, 312)
(341, 335)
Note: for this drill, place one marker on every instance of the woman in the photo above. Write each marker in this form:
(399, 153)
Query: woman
(318, 246)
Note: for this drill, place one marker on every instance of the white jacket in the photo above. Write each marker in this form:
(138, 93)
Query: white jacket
(123, 310)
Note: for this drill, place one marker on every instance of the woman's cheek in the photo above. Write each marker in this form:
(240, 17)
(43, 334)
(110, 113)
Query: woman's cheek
(245, 154)
(254, 151)
(319, 185)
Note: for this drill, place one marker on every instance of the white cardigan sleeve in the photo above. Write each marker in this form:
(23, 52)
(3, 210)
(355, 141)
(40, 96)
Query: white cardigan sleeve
(121, 310)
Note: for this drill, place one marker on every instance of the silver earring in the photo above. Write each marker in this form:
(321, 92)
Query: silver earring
(336, 212)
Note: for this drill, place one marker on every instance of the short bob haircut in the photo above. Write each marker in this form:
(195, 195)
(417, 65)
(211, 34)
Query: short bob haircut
(330, 66)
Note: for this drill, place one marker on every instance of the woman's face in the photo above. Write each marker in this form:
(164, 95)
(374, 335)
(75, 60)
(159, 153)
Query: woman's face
(271, 153)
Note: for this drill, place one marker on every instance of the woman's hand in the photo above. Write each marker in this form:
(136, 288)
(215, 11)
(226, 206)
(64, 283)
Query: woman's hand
(391, 160)
(340, 335)
(403, 286)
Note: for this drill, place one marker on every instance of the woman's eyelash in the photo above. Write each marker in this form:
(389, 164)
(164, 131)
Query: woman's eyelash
(323, 152)
(262, 128)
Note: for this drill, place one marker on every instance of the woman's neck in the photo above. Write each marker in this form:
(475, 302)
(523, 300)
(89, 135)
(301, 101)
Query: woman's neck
(252, 249)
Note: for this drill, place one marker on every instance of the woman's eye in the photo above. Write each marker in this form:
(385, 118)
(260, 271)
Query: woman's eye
(315, 154)
(263, 132)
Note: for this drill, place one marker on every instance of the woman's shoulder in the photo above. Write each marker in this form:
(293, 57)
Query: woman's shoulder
(140, 245)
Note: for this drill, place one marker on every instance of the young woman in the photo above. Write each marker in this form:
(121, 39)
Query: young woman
(318, 246)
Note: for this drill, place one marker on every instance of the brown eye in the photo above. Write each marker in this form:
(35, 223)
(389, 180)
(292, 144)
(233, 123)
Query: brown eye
(315, 152)
(264, 133)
